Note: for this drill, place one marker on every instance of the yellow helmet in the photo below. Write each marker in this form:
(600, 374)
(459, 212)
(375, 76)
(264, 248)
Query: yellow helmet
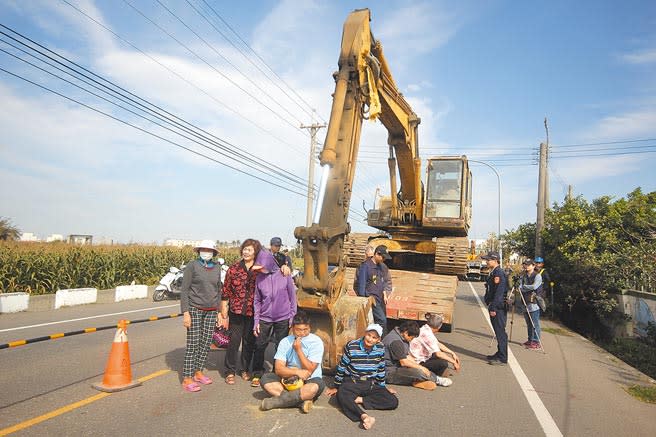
(292, 383)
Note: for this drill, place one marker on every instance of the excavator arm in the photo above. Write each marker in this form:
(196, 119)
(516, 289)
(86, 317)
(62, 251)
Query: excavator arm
(364, 89)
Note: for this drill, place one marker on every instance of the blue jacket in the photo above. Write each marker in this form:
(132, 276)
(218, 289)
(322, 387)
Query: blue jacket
(371, 279)
(496, 288)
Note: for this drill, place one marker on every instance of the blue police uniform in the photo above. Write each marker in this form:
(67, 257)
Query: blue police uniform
(496, 288)
(370, 281)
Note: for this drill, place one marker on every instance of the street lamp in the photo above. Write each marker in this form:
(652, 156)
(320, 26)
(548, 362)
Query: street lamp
(498, 204)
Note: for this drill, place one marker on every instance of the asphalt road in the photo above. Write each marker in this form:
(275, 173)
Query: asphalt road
(573, 389)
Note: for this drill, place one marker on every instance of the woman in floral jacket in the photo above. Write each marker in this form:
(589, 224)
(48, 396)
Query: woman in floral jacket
(237, 308)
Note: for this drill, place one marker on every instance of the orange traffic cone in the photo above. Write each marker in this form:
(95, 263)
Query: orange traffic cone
(118, 375)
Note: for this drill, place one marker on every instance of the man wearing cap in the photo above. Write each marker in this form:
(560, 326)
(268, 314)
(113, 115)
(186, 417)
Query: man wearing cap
(496, 288)
(374, 280)
(546, 279)
(530, 285)
(360, 379)
(281, 258)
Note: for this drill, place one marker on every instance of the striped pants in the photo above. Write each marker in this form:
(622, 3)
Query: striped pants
(199, 337)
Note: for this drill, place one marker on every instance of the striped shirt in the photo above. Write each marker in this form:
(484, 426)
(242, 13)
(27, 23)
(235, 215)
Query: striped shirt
(360, 364)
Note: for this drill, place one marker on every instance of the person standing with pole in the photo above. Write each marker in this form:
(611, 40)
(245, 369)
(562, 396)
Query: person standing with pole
(496, 288)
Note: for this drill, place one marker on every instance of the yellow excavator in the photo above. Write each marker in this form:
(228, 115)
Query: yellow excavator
(425, 227)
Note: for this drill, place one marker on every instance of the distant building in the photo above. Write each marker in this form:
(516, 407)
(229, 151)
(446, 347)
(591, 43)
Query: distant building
(28, 236)
(80, 239)
(54, 237)
(181, 243)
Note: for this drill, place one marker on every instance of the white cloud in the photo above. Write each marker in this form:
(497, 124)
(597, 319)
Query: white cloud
(641, 57)
(416, 28)
(629, 125)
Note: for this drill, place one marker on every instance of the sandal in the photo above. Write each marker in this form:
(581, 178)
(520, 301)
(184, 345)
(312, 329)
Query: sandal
(230, 379)
(191, 387)
(255, 382)
(245, 376)
(205, 380)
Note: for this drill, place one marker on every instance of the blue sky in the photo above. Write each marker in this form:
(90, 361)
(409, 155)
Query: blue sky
(481, 75)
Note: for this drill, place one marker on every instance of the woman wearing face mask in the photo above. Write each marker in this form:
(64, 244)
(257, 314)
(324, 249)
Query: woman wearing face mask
(199, 302)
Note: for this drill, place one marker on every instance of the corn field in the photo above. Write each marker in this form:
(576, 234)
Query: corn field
(41, 268)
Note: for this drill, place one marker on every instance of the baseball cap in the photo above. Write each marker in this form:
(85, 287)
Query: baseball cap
(375, 327)
(382, 250)
(493, 254)
(276, 241)
(528, 261)
(539, 259)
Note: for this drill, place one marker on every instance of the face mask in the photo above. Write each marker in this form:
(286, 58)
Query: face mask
(206, 256)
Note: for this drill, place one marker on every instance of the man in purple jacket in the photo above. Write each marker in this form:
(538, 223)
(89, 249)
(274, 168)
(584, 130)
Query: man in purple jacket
(274, 306)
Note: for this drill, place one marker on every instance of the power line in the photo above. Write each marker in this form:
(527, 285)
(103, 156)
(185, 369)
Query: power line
(224, 105)
(604, 149)
(136, 104)
(242, 159)
(606, 143)
(146, 131)
(258, 56)
(211, 66)
(308, 112)
(226, 60)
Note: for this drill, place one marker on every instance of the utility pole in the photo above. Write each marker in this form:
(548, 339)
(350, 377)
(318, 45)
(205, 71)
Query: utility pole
(542, 180)
(314, 128)
(569, 192)
(546, 159)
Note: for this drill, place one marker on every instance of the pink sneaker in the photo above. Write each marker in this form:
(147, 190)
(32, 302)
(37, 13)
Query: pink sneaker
(527, 343)
(534, 345)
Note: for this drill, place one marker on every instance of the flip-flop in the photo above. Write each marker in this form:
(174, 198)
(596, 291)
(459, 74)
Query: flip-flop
(205, 380)
(230, 379)
(191, 387)
(255, 382)
(245, 376)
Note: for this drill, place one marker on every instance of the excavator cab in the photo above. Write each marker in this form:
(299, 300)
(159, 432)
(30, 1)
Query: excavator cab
(447, 205)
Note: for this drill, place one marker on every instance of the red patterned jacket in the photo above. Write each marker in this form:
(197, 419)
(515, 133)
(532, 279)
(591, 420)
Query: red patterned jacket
(239, 288)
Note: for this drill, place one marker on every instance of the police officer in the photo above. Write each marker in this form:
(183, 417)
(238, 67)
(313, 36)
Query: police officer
(374, 280)
(496, 288)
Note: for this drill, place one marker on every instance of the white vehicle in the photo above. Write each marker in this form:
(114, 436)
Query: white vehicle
(170, 285)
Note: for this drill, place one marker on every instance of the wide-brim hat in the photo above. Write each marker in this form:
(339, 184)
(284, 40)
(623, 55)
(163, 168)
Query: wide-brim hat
(206, 244)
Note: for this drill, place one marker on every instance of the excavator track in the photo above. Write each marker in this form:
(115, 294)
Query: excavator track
(354, 245)
(451, 256)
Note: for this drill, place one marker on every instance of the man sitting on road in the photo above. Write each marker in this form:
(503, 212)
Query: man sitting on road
(297, 378)
(401, 368)
(360, 378)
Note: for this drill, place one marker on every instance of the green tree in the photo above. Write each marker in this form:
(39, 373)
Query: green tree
(521, 240)
(8, 232)
(593, 249)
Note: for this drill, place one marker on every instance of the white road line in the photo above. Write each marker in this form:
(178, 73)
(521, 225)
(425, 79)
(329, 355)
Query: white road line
(87, 318)
(541, 413)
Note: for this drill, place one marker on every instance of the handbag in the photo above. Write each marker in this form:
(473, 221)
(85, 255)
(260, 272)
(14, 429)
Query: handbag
(221, 337)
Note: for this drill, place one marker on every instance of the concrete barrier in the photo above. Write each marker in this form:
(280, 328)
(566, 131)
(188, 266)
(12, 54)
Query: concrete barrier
(127, 292)
(641, 307)
(75, 296)
(14, 302)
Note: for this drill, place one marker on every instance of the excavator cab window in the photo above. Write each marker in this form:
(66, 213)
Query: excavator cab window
(444, 188)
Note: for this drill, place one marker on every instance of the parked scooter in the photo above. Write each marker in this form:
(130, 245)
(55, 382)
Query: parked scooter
(171, 284)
